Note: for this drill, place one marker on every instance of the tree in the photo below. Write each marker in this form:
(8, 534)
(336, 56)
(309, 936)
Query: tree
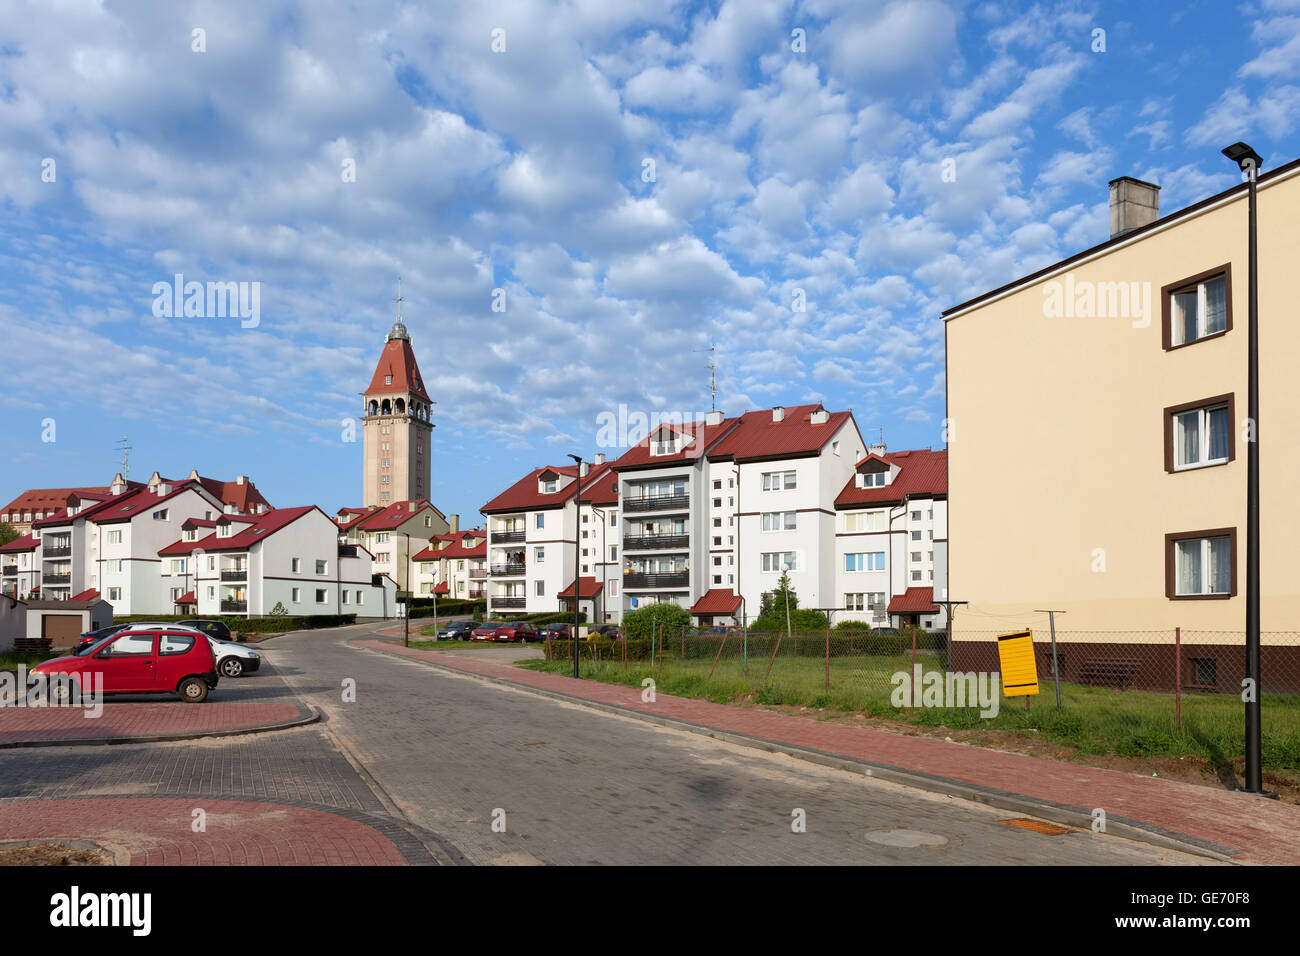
(8, 533)
(638, 624)
(279, 610)
(773, 616)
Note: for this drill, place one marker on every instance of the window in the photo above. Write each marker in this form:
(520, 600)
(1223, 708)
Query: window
(1196, 308)
(778, 561)
(916, 536)
(320, 567)
(539, 555)
(613, 552)
(717, 522)
(388, 380)
(385, 480)
(381, 538)
(114, 594)
(717, 579)
(717, 502)
(916, 555)
(212, 563)
(321, 596)
(916, 516)
(613, 519)
(778, 521)
(1205, 671)
(175, 643)
(549, 486)
(865, 561)
(385, 463)
(539, 588)
(916, 575)
(212, 592)
(875, 479)
(297, 565)
(541, 521)
(717, 484)
(866, 521)
(361, 597)
(1201, 564)
(717, 560)
(160, 514)
(855, 602)
(778, 480)
(297, 595)
(178, 566)
(835, 447)
(115, 537)
(1199, 433)
(613, 587)
(133, 645)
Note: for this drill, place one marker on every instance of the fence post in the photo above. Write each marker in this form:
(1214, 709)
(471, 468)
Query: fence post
(1178, 678)
(828, 657)
(683, 643)
(661, 649)
(773, 660)
(914, 666)
(716, 659)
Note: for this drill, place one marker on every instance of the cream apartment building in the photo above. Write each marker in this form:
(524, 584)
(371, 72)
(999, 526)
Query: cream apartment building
(1096, 414)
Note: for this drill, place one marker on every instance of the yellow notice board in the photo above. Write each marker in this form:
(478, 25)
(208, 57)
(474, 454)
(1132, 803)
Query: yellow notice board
(1019, 672)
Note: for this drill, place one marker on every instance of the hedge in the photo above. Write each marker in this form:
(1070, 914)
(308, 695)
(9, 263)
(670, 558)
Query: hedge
(423, 607)
(257, 625)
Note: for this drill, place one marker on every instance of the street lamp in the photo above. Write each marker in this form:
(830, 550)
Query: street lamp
(406, 618)
(577, 537)
(1249, 162)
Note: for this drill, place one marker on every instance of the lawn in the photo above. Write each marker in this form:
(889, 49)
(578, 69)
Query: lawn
(1094, 720)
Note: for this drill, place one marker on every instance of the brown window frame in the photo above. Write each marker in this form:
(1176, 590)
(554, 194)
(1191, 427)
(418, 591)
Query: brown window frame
(1171, 410)
(1171, 566)
(1167, 306)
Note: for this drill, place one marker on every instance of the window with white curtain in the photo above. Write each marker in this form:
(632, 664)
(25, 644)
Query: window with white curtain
(1203, 566)
(1202, 436)
(1200, 310)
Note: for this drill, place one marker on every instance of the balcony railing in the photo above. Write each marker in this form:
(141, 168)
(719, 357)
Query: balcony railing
(507, 537)
(56, 578)
(235, 574)
(63, 552)
(478, 573)
(513, 568)
(670, 579)
(240, 607)
(660, 503)
(10, 569)
(501, 602)
(477, 595)
(653, 542)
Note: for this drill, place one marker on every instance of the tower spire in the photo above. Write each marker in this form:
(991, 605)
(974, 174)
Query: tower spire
(398, 331)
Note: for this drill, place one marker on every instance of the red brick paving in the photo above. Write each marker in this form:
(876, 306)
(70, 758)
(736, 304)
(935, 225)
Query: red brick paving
(157, 831)
(124, 720)
(1256, 829)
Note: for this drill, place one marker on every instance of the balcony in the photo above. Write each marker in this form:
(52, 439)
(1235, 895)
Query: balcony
(235, 574)
(509, 602)
(56, 579)
(63, 551)
(477, 573)
(507, 537)
(670, 579)
(10, 570)
(238, 607)
(511, 569)
(660, 503)
(657, 542)
(477, 595)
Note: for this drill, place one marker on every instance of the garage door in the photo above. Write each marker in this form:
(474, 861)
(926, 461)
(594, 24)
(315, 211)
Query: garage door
(62, 629)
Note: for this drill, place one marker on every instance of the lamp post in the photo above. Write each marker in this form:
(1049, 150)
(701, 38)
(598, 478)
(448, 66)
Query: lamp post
(406, 617)
(1249, 162)
(577, 538)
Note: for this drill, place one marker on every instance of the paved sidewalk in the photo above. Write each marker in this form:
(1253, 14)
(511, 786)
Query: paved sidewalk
(1250, 829)
(140, 721)
(158, 831)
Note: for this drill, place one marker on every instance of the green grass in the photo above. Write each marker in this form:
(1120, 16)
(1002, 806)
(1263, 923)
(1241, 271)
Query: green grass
(9, 660)
(450, 645)
(1093, 720)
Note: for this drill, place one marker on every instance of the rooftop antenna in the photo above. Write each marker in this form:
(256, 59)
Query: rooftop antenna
(880, 435)
(125, 449)
(713, 378)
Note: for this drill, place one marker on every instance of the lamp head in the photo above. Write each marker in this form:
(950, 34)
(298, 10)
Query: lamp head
(1246, 158)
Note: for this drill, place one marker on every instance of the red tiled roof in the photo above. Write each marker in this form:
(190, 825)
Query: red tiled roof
(117, 508)
(921, 473)
(524, 496)
(440, 588)
(717, 601)
(398, 361)
(23, 543)
(587, 588)
(244, 497)
(757, 436)
(702, 435)
(913, 601)
(398, 513)
(604, 491)
(187, 598)
(257, 528)
(90, 594)
(41, 500)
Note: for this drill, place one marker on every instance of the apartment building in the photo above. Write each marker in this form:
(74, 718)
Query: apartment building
(19, 570)
(1104, 397)
(282, 561)
(891, 541)
(534, 527)
(453, 566)
(394, 534)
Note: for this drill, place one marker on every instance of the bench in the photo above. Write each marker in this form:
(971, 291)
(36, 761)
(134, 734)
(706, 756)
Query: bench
(1109, 671)
(32, 645)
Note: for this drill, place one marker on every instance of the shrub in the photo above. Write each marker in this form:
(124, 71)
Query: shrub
(639, 623)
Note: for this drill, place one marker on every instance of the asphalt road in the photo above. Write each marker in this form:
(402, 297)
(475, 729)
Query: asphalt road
(509, 777)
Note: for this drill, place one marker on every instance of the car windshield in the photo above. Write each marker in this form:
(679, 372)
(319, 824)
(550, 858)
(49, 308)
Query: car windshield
(93, 646)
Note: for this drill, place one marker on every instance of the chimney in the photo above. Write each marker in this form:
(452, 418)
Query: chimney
(582, 469)
(877, 449)
(1133, 204)
(713, 418)
(778, 413)
(598, 458)
(453, 522)
(240, 479)
(819, 417)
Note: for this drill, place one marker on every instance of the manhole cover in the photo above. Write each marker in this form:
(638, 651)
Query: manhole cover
(906, 838)
(1038, 826)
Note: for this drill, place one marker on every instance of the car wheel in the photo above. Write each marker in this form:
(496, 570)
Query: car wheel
(193, 690)
(230, 667)
(63, 693)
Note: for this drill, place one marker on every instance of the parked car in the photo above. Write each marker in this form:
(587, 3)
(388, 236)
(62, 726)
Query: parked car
(487, 631)
(216, 629)
(602, 630)
(886, 632)
(518, 631)
(91, 637)
(456, 631)
(234, 660)
(557, 632)
(162, 660)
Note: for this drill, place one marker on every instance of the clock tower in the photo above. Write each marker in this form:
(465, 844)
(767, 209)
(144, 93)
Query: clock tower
(397, 423)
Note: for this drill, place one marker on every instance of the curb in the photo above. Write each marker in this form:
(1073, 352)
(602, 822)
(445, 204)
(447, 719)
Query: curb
(307, 714)
(1078, 817)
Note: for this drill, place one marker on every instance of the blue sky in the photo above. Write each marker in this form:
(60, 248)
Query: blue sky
(774, 170)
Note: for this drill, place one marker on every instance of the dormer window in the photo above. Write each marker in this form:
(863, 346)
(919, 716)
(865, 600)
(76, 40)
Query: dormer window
(549, 486)
(877, 479)
(388, 380)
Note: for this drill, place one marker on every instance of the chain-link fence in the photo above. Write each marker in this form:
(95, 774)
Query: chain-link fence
(1134, 693)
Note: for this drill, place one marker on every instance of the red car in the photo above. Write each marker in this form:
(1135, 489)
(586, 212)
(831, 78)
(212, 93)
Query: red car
(508, 631)
(136, 661)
